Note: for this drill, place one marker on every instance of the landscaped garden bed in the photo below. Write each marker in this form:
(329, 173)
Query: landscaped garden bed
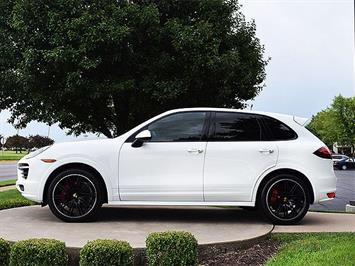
(296, 249)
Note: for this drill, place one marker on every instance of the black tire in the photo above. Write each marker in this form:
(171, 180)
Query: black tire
(284, 199)
(75, 195)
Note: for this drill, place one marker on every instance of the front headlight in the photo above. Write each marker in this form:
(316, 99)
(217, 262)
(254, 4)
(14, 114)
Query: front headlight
(35, 153)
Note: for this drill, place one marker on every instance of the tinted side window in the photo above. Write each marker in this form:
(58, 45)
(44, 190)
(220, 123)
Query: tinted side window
(278, 130)
(178, 127)
(236, 127)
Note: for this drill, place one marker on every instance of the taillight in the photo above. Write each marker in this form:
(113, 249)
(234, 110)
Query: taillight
(323, 152)
(331, 195)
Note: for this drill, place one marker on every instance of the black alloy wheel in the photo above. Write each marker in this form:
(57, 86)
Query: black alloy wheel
(284, 199)
(74, 196)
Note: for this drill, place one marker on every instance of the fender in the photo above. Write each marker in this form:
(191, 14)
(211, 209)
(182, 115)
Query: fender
(77, 159)
(281, 167)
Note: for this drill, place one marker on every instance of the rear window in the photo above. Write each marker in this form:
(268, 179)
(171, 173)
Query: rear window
(278, 130)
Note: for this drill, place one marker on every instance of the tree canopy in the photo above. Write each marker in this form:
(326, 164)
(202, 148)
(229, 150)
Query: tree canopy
(16, 142)
(21, 142)
(105, 66)
(38, 141)
(336, 124)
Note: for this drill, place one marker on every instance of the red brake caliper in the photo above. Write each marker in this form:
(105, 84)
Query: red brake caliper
(274, 196)
(64, 193)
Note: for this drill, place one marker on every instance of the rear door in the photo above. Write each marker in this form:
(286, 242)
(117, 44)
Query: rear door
(236, 156)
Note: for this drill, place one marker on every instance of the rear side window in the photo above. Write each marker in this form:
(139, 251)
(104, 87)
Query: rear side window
(230, 126)
(278, 130)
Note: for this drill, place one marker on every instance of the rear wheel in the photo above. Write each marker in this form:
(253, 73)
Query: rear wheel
(284, 199)
(75, 196)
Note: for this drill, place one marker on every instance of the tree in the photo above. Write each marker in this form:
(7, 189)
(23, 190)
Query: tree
(38, 141)
(105, 66)
(16, 142)
(336, 124)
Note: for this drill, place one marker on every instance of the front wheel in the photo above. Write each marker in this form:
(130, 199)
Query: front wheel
(74, 196)
(284, 199)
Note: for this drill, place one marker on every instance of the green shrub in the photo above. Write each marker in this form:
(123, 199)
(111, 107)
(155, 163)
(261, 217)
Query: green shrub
(106, 252)
(4, 252)
(34, 252)
(171, 248)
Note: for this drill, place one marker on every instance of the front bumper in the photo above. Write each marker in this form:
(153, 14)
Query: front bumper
(30, 186)
(28, 189)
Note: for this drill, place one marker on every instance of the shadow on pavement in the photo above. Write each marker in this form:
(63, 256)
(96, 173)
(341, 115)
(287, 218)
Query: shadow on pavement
(166, 214)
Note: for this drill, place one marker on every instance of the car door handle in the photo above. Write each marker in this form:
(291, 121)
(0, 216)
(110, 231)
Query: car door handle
(266, 150)
(195, 151)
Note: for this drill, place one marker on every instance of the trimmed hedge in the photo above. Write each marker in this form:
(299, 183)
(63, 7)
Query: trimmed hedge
(4, 252)
(41, 251)
(171, 248)
(106, 252)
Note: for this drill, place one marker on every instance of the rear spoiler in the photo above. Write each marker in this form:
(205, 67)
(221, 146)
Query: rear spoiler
(300, 120)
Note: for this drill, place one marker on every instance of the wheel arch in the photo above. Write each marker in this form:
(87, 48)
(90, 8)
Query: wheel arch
(74, 166)
(286, 171)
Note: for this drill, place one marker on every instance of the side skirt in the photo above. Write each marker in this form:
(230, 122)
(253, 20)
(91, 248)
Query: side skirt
(180, 203)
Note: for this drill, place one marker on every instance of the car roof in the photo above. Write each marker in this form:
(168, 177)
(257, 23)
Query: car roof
(212, 109)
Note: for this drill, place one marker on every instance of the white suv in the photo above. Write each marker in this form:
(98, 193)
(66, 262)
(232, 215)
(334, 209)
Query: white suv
(195, 156)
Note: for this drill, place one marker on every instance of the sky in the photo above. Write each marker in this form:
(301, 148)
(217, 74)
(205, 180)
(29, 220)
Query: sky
(311, 45)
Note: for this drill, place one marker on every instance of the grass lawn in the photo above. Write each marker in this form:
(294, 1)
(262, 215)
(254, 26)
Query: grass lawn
(7, 182)
(314, 249)
(12, 198)
(11, 155)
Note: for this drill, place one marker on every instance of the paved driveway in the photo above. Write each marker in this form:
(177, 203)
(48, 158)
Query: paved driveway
(7, 171)
(345, 192)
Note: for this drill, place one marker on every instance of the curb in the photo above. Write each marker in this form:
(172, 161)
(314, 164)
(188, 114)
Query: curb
(204, 250)
(5, 188)
(8, 161)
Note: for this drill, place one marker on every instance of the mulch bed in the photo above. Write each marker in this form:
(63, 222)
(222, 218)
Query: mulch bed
(255, 255)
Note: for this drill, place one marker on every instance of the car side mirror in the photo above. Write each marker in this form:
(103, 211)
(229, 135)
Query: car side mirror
(141, 138)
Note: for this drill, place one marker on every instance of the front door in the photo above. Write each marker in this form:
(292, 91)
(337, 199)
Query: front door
(168, 167)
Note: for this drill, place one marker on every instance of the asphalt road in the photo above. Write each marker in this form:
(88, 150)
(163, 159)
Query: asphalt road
(345, 187)
(7, 171)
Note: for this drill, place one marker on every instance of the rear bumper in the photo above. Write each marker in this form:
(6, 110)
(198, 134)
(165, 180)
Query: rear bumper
(323, 186)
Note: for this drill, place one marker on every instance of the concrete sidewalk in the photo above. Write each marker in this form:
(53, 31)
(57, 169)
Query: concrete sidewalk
(321, 222)
(7, 188)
